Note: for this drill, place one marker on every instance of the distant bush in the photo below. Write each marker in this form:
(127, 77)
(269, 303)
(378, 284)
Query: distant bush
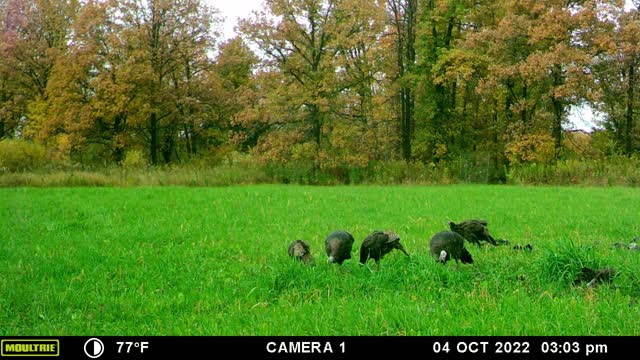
(616, 170)
(134, 159)
(26, 164)
(292, 173)
(20, 155)
(401, 172)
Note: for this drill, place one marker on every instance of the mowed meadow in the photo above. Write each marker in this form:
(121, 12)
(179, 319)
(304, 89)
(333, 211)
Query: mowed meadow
(213, 261)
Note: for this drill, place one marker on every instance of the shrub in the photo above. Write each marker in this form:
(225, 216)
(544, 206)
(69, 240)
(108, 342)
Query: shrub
(134, 159)
(616, 170)
(19, 155)
(530, 148)
(292, 173)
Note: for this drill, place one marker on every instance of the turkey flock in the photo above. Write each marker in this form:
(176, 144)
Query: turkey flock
(443, 246)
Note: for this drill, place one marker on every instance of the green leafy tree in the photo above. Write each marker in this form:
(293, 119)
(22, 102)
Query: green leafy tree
(439, 27)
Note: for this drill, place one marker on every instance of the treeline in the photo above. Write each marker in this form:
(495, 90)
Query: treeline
(331, 87)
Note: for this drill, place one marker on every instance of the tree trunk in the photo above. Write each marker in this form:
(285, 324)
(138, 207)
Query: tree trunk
(523, 114)
(558, 110)
(558, 113)
(167, 148)
(404, 13)
(118, 149)
(406, 122)
(496, 172)
(317, 126)
(410, 48)
(194, 140)
(187, 137)
(153, 130)
(629, 115)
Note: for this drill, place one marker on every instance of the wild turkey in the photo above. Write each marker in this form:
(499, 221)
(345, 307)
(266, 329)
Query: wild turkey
(338, 245)
(593, 276)
(632, 246)
(378, 244)
(301, 251)
(448, 244)
(474, 231)
(527, 247)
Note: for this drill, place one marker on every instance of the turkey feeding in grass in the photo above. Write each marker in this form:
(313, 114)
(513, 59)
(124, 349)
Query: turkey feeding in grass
(378, 244)
(338, 245)
(473, 230)
(595, 276)
(301, 251)
(446, 245)
(527, 247)
(632, 246)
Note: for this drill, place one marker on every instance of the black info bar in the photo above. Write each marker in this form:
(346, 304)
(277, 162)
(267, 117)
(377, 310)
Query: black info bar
(319, 347)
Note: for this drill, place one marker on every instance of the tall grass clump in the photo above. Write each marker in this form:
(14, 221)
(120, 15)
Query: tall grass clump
(564, 262)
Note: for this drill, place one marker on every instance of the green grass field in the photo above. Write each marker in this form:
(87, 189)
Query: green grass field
(213, 261)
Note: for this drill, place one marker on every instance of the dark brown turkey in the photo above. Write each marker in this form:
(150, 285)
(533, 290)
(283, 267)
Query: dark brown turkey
(301, 251)
(474, 231)
(378, 244)
(632, 246)
(338, 245)
(446, 245)
(595, 276)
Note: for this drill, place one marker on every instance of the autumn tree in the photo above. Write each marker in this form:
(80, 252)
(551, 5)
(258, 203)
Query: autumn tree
(499, 39)
(234, 91)
(170, 41)
(530, 66)
(131, 74)
(333, 85)
(12, 100)
(89, 98)
(439, 28)
(34, 34)
(559, 66)
(615, 45)
(321, 66)
(364, 128)
(62, 118)
(403, 16)
(299, 47)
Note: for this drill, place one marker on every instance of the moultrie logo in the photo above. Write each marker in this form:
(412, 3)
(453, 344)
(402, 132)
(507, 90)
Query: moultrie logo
(30, 347)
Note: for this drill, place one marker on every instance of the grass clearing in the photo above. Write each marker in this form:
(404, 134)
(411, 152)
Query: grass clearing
(213, 261)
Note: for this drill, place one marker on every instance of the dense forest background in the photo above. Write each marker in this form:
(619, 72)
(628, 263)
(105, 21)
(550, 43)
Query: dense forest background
(315, 89)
